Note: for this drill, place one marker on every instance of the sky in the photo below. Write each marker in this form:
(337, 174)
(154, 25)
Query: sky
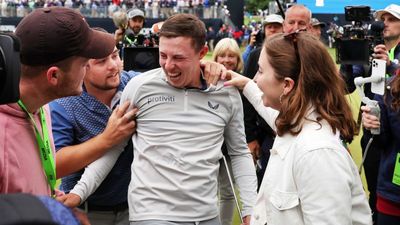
(337, 6)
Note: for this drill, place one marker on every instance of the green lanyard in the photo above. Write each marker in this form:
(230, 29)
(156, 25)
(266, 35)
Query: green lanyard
(46, 154)
(391, 53)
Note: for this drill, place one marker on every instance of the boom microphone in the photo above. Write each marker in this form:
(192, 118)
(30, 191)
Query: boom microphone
(120, 20)
(377, 32)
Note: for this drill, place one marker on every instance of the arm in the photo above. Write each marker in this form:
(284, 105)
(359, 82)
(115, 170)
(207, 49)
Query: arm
(253, 94)
(92, 177)
(246, 53)
(119, 35)
(71, 158)
(241, 159)
(249, 47)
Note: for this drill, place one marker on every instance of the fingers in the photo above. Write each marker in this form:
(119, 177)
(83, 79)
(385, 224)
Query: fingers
(120, 125)
(370, 121)
(237, 80)
(365, 109)
(224, 73)
(72, 200)
(213, 72)
(206, 70)
(217, 74)
(58, 193)
(131, 114)
(380, 52)
(62, 198)
(120, 110)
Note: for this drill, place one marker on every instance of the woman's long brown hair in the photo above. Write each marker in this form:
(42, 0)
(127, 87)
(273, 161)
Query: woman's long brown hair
(395, 92)
(305, 59)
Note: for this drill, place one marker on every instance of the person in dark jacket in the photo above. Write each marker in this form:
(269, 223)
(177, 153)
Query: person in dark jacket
(390, 52)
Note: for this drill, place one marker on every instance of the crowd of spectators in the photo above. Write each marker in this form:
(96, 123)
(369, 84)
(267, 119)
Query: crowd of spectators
(105, 8)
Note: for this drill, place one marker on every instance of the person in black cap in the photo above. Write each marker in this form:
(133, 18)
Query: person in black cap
(55, 46)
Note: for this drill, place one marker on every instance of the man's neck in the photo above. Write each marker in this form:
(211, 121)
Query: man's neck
(197, 83)
(391, 43)
(104, 96)
(33, 94)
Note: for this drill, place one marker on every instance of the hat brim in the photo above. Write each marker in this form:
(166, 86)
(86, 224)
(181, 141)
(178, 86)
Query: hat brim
(379, 13)
(322, 25)
(271, 22)
(100, 45)
(136, 16)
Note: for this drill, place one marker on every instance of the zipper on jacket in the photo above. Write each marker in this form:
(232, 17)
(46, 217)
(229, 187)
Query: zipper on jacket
(185, 101)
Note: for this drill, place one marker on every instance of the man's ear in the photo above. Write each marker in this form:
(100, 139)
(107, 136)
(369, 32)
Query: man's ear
(288, 84)
(203, 51)
(53, 75)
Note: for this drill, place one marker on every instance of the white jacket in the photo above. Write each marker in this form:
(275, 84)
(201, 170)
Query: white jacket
(310, 177)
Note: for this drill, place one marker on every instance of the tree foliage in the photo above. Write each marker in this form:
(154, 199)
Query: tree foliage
(254, 5)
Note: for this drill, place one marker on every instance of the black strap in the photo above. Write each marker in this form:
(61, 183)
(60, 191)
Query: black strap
(23, 209)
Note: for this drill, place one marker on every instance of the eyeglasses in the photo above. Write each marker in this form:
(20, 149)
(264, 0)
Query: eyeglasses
(293, 37)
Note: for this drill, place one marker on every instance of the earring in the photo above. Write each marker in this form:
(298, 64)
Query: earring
(280, 98)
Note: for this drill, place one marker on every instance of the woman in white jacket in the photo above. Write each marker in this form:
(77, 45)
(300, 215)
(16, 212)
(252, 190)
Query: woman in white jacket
(311, 177)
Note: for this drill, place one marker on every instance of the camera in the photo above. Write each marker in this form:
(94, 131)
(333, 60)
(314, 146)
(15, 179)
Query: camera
(9, 68)
(143, 39)
(141, 54)
(357, 41)
(259, 38)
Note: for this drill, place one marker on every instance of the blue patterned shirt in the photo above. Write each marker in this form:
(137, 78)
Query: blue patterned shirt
(77, 119)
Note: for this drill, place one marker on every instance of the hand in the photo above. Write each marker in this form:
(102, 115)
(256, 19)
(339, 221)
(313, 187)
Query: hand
(380, 52)
(369, 121)
(235, 79)
(252, 40)
(58, 193)
(71, 200)
(119, 35)
(81, 216)
(213, 72)
(246, 220)
(254, 148)
(120, 126)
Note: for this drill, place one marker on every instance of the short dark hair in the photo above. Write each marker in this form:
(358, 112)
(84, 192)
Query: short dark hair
(185, 25)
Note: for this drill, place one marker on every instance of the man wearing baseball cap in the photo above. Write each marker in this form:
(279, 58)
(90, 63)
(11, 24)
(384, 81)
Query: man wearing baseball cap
(135, 18)
(55, 46)
(384, 194)
(272, 24)
(316, 27)
(387, 169)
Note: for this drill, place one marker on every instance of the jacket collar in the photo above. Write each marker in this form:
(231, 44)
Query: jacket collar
(284, 143)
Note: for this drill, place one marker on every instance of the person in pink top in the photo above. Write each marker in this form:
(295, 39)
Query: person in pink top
(55, 46)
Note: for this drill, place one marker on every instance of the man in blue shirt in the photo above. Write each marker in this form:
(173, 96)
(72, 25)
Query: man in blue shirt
(85, 127)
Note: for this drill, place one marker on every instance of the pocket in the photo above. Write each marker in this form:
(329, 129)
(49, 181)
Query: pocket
(284, 200)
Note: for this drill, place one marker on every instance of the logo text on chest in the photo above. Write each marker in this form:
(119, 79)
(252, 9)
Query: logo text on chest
(161, 98)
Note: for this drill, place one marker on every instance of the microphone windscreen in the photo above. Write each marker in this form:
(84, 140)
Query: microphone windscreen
(377, 26)
(120, 20)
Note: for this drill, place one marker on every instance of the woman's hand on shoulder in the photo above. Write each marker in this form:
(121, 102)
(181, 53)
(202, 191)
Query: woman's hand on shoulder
(235, 79)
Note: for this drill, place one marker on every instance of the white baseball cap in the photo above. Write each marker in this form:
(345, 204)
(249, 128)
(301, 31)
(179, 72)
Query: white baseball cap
(392, 9)
(134, 13)
(273, 18)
